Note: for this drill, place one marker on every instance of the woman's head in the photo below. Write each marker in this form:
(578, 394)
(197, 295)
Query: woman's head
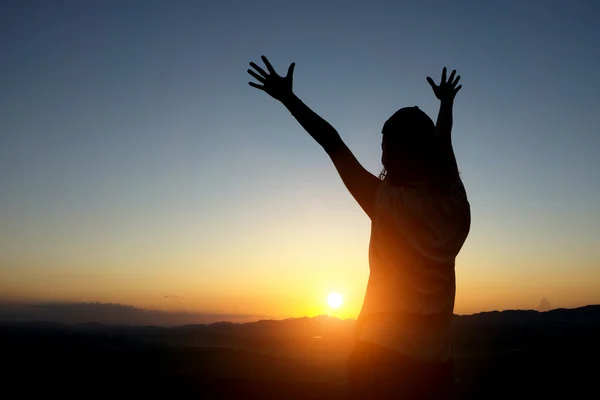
(407, 146)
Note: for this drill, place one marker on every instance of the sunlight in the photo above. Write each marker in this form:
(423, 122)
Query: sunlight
(335, 300)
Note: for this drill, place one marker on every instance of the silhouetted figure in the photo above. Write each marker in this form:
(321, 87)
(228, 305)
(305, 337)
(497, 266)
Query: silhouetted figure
(420, 219)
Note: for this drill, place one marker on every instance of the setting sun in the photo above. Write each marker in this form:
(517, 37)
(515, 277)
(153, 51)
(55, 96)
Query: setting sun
(335, 300)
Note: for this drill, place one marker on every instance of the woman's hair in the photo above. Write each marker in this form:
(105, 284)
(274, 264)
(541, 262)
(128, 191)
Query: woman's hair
(410, 152)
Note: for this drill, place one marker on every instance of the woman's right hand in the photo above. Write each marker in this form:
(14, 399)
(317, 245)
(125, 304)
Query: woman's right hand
(447, 89)
(278, 87)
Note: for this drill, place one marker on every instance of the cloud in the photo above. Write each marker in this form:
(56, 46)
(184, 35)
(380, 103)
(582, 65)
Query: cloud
(544, 305)
(111, 313)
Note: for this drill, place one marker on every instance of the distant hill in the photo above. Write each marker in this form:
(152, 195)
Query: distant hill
(332, 337)
(229, 333)
(300, 358)
(588, 314)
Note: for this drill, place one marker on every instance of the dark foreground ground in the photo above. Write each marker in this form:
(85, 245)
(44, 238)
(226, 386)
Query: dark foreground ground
(498, 355)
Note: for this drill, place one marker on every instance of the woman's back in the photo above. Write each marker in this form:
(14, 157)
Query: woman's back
(416, 235)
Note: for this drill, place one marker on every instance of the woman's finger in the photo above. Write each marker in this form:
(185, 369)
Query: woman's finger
(432, 83)
(451, 76)
(456, 81)
(256, 76)
(254, 85)
(259, 69)
(444, 75)
(291, 70)
(268, 65)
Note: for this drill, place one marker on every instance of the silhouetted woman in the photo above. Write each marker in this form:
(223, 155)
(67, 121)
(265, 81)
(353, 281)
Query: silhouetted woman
(420, 219)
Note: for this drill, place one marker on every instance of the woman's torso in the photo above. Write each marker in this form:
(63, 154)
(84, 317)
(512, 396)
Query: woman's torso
(415, 237)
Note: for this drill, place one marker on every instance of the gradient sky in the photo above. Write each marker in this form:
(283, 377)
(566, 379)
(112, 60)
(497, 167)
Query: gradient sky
(137, 163)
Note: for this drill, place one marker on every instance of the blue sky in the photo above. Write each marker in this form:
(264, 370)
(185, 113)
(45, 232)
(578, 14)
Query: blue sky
(128, 133)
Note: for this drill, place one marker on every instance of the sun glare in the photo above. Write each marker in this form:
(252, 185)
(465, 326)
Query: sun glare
(335, 300)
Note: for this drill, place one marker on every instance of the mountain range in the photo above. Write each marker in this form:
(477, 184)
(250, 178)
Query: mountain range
(495, 353)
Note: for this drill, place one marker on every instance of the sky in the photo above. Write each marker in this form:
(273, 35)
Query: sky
(137, 167)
